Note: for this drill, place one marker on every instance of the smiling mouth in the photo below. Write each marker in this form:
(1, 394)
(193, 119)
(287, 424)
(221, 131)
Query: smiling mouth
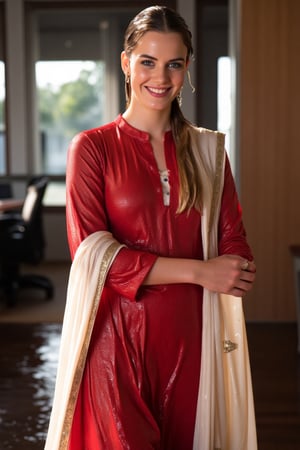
(157, 91)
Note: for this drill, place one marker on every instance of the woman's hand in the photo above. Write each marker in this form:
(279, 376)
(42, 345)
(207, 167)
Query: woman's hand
(227, 274)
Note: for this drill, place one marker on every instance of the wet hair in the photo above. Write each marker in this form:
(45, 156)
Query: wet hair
(166, 20)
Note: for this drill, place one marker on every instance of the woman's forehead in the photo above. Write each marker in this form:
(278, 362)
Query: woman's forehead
(161, 43)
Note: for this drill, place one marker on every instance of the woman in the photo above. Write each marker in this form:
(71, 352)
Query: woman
(154, 225)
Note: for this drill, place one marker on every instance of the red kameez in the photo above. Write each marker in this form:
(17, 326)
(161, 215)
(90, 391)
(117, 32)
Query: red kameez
(140, 383)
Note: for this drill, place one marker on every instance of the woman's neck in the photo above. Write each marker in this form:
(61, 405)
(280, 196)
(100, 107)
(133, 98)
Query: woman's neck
(156, 123)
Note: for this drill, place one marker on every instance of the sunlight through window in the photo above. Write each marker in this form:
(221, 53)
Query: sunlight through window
(224, 100)
(70, 99)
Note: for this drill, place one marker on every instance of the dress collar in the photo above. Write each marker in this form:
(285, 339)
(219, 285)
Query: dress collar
(134, 132)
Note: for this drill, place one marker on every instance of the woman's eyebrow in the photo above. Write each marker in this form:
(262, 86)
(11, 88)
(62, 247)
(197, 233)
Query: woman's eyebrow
(147, 56)
(155, 59)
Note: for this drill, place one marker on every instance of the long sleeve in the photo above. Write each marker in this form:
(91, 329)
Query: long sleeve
(86, 212)
(232, 235)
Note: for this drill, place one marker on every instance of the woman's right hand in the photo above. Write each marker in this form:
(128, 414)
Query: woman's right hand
(227, 274)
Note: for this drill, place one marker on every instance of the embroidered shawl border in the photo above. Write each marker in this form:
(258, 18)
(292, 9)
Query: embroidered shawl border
(87, 275)
(225, 418)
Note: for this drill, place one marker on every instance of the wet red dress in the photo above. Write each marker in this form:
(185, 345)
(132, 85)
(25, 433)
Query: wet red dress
(140, 384)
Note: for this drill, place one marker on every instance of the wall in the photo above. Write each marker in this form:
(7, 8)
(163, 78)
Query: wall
(269, 149)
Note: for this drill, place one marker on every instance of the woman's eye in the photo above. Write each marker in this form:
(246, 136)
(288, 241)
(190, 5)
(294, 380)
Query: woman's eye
(175, 65)
(147, 62)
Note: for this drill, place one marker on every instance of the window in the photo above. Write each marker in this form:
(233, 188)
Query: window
(77, 82)
(71, 98)
(224, 99)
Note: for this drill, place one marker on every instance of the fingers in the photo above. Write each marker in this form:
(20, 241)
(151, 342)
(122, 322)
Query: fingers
(245, 265)
(247, 276)
(237, 292)
(248, 266)
(229, 274)
(240, 289)
(245, 279)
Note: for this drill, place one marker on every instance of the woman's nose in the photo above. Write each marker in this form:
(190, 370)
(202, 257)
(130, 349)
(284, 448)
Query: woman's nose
(161, 74)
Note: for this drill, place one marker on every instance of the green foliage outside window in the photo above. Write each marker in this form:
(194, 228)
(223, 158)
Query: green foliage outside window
(65, 110)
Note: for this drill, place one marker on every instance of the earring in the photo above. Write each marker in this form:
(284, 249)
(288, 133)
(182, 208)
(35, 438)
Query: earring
(179, 97)
(190, 81)
(127, 78)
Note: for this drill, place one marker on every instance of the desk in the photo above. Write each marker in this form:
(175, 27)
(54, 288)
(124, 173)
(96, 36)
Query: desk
(7, 204)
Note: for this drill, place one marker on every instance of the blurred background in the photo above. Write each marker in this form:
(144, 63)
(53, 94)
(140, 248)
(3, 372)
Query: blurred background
(60, 73)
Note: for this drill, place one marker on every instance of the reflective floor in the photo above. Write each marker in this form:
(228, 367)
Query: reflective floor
(28, 360)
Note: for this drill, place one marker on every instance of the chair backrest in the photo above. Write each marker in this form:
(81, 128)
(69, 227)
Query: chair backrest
(33, 200)
(23, 240)
(32, 216)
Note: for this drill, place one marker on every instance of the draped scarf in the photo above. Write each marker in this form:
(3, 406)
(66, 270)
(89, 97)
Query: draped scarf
(90, 266)
(225, 418)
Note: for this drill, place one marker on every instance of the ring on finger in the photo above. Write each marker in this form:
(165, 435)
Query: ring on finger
(245, 265)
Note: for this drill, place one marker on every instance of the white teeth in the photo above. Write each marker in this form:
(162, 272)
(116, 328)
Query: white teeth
(157, 90)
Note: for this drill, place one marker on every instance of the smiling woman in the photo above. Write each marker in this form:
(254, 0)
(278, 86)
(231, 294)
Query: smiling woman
(157, 240)
(156, 69)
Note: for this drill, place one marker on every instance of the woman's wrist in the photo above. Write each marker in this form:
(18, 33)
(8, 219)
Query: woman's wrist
(175, 270)
(197, 273)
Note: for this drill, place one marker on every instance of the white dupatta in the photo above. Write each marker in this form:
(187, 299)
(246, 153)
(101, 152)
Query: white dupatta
(92, 261)
(225, 418)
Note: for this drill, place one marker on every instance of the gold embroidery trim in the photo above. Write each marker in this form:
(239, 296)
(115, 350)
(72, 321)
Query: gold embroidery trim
(217, 179)
(104, 266)
(229, 346)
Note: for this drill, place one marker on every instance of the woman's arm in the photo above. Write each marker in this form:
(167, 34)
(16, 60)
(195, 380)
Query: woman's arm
(232, 235)
(224, 273)
(86, 211)
(86, 214)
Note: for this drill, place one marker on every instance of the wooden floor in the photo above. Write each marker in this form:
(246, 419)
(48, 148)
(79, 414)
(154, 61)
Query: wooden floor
(28, 358)
(276, 384)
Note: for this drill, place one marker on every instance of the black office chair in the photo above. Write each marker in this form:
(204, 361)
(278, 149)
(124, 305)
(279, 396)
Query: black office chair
(22, 241)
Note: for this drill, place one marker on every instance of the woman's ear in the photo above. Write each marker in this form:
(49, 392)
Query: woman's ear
(125, 63)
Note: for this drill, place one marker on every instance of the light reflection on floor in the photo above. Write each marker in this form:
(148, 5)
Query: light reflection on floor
(28, 361)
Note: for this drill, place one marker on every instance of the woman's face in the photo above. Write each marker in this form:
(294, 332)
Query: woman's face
(156, 67)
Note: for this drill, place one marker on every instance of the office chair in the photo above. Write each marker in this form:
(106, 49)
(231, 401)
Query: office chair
(22, 241)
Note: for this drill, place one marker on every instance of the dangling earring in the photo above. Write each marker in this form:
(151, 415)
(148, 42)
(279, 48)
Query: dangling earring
(179, 97)
(190, 81)
(127, 89)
